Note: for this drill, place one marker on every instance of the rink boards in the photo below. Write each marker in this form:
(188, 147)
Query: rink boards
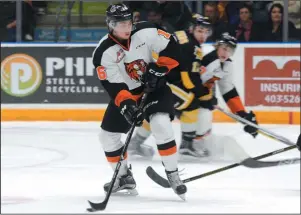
(44, 82)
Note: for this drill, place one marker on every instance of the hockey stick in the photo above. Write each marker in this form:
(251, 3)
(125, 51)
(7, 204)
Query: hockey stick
(164, 183)
(103, 205)
(248, 161)
(263, 130)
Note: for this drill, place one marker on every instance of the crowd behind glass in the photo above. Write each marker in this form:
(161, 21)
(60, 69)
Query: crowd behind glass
(248, 21)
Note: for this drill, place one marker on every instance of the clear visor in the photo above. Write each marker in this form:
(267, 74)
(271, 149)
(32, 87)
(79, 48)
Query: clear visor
(121, 26)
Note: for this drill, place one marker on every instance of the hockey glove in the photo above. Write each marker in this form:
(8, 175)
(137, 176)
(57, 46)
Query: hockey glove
(154, 78)
(209, 104)
(132, 112)
(252, 118)
(299, 142)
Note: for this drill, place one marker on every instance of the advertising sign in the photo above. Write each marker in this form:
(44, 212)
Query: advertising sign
(50, 75)
(272, 77)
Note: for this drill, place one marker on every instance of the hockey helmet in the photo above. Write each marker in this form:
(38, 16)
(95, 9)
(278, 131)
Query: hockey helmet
(117, 13)
(228, 40)
(203, 22)
(199, 20)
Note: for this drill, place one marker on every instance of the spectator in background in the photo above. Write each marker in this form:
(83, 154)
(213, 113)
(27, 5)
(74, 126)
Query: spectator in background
(246, 30)
(136, 16)
(155, 15)
(273, 29)
(7, 23)
(294, 8)
(210, 11)
(40, 7)
(222, 10)
(28, 20)
(177, 14)
(138, 8)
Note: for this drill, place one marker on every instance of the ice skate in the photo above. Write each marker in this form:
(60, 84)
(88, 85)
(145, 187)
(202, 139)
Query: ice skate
(137, 147)
(175, 182)
(187, 149)
(124, 185)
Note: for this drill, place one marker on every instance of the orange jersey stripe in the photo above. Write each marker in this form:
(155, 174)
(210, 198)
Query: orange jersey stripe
(123, 95)
(235, 104)
(168, 152)
(116, 158)
(168, 62)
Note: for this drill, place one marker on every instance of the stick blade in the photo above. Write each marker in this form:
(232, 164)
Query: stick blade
(157, 178)
(251, 163)
(97, 206)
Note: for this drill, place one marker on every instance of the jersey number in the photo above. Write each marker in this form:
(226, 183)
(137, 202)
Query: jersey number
(164, 33)
(101, 73)
(182, 37)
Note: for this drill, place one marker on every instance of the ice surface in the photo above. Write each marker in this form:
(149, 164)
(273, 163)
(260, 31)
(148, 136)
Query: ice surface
(55, 167)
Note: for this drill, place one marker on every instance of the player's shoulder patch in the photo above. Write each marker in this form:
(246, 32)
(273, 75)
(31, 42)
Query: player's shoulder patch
(181, 37)
(102, 46)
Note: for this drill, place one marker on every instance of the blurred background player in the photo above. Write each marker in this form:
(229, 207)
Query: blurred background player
(217, 68)
(185, 83)
(196, 125)
(126, 69)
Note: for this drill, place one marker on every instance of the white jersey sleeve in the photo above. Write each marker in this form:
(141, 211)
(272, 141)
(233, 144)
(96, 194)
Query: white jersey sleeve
(158, 39)
(228, 89)
(225, 84)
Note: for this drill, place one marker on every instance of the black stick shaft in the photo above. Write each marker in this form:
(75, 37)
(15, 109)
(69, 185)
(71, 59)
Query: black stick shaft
(263, 131)
(237, 164)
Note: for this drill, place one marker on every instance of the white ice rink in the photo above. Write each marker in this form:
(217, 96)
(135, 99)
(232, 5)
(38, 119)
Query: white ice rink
(50, 167)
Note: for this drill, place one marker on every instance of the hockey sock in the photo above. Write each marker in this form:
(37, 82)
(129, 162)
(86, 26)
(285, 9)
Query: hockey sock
(161, 128)
(188, 136)
(113, 158)
(169, 155)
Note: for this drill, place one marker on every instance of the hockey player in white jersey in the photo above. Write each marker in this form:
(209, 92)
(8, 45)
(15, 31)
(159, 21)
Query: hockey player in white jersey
(215, 68)
(126, 69)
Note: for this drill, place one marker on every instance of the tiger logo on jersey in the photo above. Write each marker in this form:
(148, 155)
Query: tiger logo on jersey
(135, 69)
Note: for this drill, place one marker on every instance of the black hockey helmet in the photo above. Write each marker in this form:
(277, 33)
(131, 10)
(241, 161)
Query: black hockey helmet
(199, 20)
(227, 39)
(117, 13)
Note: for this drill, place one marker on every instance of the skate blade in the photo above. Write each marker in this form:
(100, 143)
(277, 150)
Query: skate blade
(192, 159)
(126, 192)
(182, 196)
(190, 153)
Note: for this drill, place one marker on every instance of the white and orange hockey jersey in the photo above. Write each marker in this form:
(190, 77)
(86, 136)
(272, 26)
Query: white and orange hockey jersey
(120, 66)
(213, 71)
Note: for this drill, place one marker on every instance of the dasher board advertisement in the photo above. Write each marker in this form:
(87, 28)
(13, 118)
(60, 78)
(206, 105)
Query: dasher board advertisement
(50, 75)
(272, 77)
